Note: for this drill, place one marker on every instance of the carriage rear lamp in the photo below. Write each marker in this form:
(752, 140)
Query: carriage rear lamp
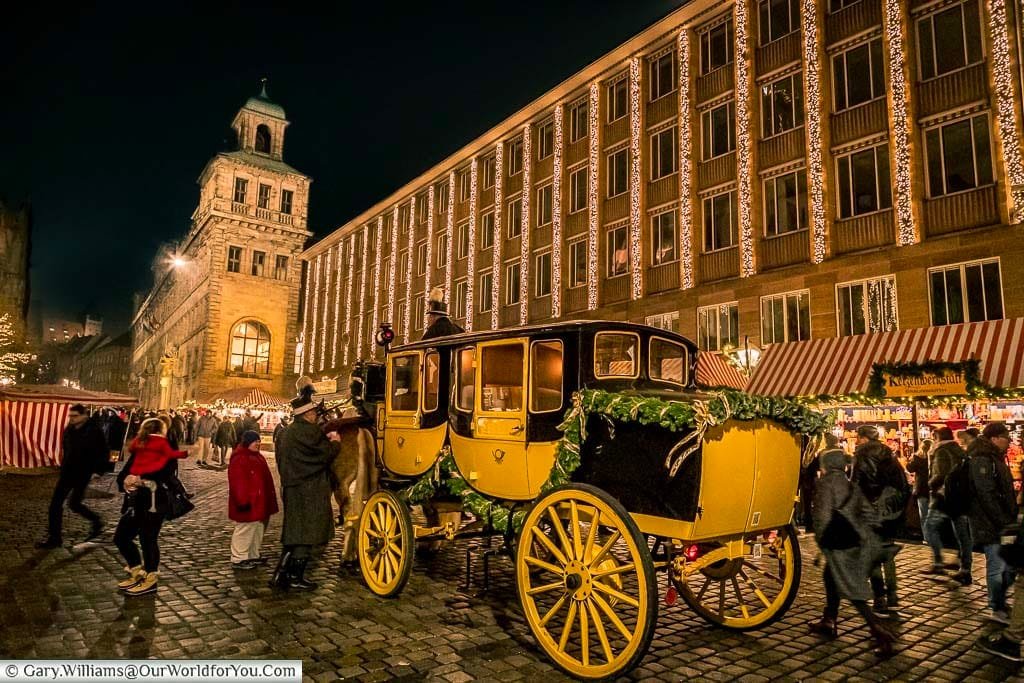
(692, 552)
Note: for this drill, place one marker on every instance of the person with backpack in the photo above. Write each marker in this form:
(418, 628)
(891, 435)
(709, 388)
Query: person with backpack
(918, 466)
(947, 473)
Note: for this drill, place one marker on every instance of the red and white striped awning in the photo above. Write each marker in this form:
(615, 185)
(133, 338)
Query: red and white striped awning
(715, 371)
(840, 366)
(247, 397)
(30, 433)
(56, 393)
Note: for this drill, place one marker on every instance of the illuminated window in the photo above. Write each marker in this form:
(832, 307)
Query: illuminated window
(545, 376)
(501, 378)
(421, 258)
(664, 247)
(618, 251)
(431, 380)
(405, 382)
(250, 348)
(785, 317)
(718, 326)
(466, 375)
(442, 250)
(616, 354)
(664, 321)
(782, 105)
(867, 306)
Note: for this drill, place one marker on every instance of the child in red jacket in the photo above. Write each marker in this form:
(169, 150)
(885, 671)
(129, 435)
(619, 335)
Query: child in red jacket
(252, 499)
(151, 452)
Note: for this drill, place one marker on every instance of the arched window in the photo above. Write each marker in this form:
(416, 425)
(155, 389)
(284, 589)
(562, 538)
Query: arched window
(250, 348)
(263, 139)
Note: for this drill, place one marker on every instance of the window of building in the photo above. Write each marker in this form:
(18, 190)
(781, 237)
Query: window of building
(512, 284)
(578, 121)
(663, 75)
(718, 327)
(577, 263)
(778, 18)
(716, 47)
(542, 274)
(263, 196)
(578, 195)
(400, 318)
(545, 376)
(404, 216)
(959, 156)
(489, 163)
(863, 185)
(484, 302)
(405, 383)
(785, 203)
(966, 292)
(719, 221)
(280, 267)
(618, 172)
(234, 259)
(664, 321)
(667, 361)
(259, 260)
(618, 251)
(616, 354)
(867, 306)
(782, 105)
(663, 153)
(421, 258)
(664, 247)
(250, 348)
(442, 250)
(403, 267)
(431, 375)
(545, 195)
(241, 185)
(501, 378)
(442, 197)
(837, 5)
(286, 202)
(514, 218)
(487, 230)
(422, 206)
(857, 75)
(419, 313)
(466, 376)
(785, 317)
(514, 155)
(462, 242)
(717, 131)
(949, 40)
(545, 140)
(618, 99)
(460, 299)
(263, 139)
(465, 180)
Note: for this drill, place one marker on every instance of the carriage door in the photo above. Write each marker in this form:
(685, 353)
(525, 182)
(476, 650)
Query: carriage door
(403, 413)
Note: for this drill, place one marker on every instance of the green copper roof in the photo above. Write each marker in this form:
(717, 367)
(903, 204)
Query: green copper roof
(262, 103)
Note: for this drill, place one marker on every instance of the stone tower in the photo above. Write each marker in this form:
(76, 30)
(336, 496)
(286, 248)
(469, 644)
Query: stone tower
(15, 227)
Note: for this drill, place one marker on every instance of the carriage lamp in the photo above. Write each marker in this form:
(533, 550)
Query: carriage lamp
(385, 335)
(692, 552)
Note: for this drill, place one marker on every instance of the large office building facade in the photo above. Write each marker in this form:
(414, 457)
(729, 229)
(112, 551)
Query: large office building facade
(745, 173)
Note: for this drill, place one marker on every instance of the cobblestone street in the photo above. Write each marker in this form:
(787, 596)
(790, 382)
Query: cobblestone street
(62, 604)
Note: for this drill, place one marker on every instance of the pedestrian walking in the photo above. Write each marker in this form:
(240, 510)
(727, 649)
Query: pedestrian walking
(190, 428)
(278, 430)
(946, 508)
(83, 454)
(225, 439)
(176, 432)
(206, 430)
(251, 423)
(992, 507)
(809, 479)
(239, 426)
(918, 466)
(252, 500)
(1006, 642)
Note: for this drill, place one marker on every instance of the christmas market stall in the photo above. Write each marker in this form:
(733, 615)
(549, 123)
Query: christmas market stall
(267, 408)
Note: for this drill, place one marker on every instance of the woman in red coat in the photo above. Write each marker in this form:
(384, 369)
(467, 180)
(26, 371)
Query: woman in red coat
(252, 499)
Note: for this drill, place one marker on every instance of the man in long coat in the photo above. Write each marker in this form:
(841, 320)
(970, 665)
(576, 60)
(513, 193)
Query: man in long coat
(304, 463)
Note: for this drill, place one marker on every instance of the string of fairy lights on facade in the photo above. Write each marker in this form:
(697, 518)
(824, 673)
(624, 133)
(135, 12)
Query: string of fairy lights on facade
(410, 240)
(450, 232)
(635, 245)
(556, 218)
(901, 123)
(362, 294)
(743, 141)
(430, 249)
(524, 232)
(316, 308)
(882, 298)
(812, 100)
(323, 320)
(499, 172)
(393, 267)
(1002, 75)
(376, 282)
(304, 351)
(685, 206)
(592, 198)
(337, 305)
(471, 259)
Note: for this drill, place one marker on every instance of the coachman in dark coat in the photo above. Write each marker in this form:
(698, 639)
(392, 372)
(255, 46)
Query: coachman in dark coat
(438, 322)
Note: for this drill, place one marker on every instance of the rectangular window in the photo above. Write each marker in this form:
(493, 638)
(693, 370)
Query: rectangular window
(487, 230)
(577, 263)
(717, 131)
(782, 105)
(465, 180)
(663, 153)
(512, 284)
(618, 251)
(785, 317)
(483, 293)
(837, 5)
(664, 247)
(404, 216)
(857, 75)
(514, 156)
(286, 202)
(419, 312)
(545, 140)
(544, 204)
(664, 321)
(867, 306)
(618, 99)
(501, 378)
(785, 203)
(959, 156)
(667, 361)
(663, 75)
(616, 354)
(442, 198)
(578, 195)
(718, 327)
(466, 376)
(460, 299)
(421, 209)
(403, 266)
(489, 163)
(431, 373)
(421, 258)
(966, 292)
(578, 121)
(234, 259)
(514, 218)
(542, 274)
(778, 18)
(280, 267)
(618, 172)
(719, 221)
(241, 184)
(949, 40)
(442, 251)
(462, 242)
(259, 260)
(263, 198)
(546, 365)
(716, 47)
(863, 184)
(405, 383)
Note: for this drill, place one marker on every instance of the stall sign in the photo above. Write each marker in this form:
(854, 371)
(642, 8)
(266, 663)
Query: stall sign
(950, 382)
(326, 386)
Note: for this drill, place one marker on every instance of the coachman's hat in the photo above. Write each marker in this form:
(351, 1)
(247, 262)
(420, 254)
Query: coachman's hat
(435, 303)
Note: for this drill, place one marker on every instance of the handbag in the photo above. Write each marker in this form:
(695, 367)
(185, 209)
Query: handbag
(176, 501)
(839, 534)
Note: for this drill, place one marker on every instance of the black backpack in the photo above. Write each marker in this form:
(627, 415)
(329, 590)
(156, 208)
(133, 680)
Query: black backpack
(957, 489)
(891, 504)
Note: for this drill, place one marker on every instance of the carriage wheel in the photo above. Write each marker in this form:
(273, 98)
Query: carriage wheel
(747, 592)
(386, 544)
(586, 582)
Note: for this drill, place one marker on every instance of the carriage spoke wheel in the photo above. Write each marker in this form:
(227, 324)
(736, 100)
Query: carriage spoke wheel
(586, 582)
(751, 591)
(385, 544)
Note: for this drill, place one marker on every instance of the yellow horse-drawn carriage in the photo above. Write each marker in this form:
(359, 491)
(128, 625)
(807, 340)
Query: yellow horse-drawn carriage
(590, 449)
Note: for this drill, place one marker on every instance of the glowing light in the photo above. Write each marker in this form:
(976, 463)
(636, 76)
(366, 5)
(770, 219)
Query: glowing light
(898, 78)
(592, 109)
(450, 231)
(471, 263)
(323, 319)
(362, 293)
(635, 235)
(812, 97)
(556, 219)
(337, 301)
(499, 172)
(312, 318)
(410, 240)
(306, 312)
(1002, 73)
(430, 249)
(524, 251)
(178, 261)
(743, 141)
(392, 267)
(685, 208)
(376, 285)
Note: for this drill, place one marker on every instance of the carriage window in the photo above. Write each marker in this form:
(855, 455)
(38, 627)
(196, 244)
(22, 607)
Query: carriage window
(467, 377)
(615, 355)
(501, 378)
(431, 380)
(668, 361)
(546, 374)
(405, 383)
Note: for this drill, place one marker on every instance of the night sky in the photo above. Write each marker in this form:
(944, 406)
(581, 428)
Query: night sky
(108, 114)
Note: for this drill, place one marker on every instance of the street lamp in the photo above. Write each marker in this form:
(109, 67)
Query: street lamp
(178, 261)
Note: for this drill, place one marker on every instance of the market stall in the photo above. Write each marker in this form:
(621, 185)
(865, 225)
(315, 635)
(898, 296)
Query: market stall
(269, 409)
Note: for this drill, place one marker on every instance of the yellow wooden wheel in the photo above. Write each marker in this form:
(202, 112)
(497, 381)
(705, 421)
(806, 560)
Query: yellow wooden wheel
(586, 582)
(386, 544)
(751, 591)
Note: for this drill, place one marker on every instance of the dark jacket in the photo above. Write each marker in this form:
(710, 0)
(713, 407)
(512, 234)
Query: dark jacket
(250, 423)
(944, 457)
(993, 504)
(140, 500)
(442, 327)
(918, 466)
(225, 434)
(304, 463)
(85, 451)
(876, 469)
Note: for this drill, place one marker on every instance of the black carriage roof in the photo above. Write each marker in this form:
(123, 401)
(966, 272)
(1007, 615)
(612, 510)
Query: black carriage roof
(554, 328)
